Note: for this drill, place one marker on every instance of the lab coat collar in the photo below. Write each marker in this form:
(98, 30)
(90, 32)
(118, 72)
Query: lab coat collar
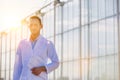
(39, 37)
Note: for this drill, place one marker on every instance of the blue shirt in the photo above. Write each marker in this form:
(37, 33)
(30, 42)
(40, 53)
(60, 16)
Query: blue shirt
(34, 42)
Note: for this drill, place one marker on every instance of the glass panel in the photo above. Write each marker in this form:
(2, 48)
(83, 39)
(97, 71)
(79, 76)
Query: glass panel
(58, 20)
(18, 37)
(101, 8)
(25, 32)
(3, 74)
(102, 68)
(84, 12)
(58, 73)
(70, 45)
(58, 46)
(3, 44)
(45, 25)
(94, 39)
(93, 8)
(119, 6)
(11, 75)
(7, 75)
(76, 70)
(116, 35)
(84, 42)
(76, 44)
(94, 70)
(110, 67)
(13, 40)
(63, 0)
(3, 61)
(102, 38)
(51, 76)
(8, 42)
(70, 15)
(84, 69)
(65, 46)
(48, 24)
(116, 67)
(109, 7)
(65, 72)
(114, 6)
(110, 36)
(7, 61)
(70, 70)
(75, 13)
(12, 59)
(65, 17)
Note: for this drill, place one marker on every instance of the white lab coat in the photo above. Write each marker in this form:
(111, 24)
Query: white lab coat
(26, 58)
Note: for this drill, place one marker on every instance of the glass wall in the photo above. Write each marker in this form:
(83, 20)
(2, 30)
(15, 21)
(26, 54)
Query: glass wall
(85, 34)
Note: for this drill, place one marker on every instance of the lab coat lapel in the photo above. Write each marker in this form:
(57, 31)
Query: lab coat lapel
(38, 45)
(29, 48)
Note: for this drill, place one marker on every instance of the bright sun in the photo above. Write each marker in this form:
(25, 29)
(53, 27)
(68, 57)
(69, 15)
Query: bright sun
(9, 22)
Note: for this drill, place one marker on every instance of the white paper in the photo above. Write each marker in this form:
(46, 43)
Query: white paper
(36, 61)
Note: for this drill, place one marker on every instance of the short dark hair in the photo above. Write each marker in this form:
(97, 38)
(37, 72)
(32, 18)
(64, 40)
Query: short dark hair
(36, 17)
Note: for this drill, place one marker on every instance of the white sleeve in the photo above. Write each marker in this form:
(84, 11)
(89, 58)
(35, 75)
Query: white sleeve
(53, 57)
(18, 65)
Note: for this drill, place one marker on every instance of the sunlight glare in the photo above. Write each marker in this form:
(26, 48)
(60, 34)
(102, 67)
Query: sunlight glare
(10, 22)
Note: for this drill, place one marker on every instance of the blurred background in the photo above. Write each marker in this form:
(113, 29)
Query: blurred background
(85, 34)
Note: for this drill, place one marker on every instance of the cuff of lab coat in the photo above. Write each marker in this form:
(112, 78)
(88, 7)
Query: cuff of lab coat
(47, 69)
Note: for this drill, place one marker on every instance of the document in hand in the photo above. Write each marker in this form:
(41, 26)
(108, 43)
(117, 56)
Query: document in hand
(37, 61)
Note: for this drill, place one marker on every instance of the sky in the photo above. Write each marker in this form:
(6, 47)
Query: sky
(13, 11)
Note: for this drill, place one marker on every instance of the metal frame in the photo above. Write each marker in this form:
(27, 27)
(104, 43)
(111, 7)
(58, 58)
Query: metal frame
(118, 21)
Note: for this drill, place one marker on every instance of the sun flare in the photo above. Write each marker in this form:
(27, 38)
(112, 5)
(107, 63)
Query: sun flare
(10, 21)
